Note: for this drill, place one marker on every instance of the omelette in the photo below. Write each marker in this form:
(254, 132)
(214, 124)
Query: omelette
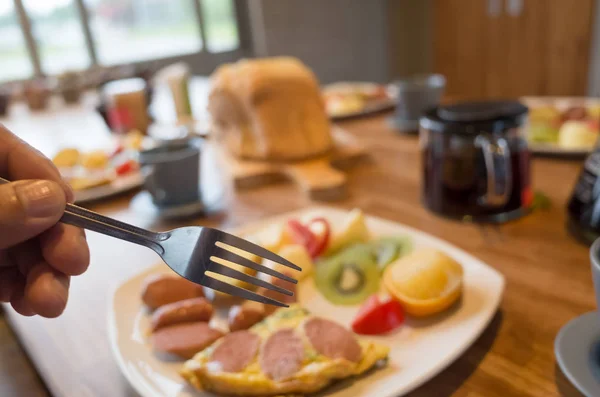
(289, 352)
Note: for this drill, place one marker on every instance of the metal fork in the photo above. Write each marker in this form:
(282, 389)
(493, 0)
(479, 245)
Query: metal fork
(189, 252)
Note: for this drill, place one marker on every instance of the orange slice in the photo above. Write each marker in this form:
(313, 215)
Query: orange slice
(426, 281)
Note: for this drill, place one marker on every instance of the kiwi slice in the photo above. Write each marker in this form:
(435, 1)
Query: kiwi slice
(388, 249)
(349, 277)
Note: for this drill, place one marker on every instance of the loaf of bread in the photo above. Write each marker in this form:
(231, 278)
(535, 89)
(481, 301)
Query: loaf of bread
(269, 109)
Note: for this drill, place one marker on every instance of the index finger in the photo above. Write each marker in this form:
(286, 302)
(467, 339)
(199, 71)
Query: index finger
(19, 160)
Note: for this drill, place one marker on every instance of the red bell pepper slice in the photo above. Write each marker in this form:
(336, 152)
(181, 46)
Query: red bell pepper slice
(377, 317)
(126, 167)
(319, 245)
(301, 234)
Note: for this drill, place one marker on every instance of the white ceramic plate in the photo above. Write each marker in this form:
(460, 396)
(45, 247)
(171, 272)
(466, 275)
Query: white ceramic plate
(120, 185)
(419, 350)
(561, 103)
(370, 108)
(557, 151)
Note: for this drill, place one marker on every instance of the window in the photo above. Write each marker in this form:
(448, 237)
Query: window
(48, 37)
(221, 29)
(143, 28)
(16, 63)
(58, 32)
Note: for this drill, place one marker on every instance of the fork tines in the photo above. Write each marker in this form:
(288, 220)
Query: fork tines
(247, 246)
(229, 289)
(219, 252)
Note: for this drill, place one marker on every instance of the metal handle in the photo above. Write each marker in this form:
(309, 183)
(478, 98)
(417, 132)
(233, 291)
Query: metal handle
(496, 152)
(90, 220)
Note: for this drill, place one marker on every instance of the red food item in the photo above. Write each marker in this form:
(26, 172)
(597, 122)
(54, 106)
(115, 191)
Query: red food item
(120, 119)
(376, 317)
(126, 167)
(302, 235)
(527, 197)
(319, 245)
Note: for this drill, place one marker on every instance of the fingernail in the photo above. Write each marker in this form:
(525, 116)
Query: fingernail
(70, 194)
(41, 198)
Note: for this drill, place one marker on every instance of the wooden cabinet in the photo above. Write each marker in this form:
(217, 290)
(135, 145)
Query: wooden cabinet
(510, 48)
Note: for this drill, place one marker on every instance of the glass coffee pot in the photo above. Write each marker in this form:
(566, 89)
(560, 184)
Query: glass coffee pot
(476, 165)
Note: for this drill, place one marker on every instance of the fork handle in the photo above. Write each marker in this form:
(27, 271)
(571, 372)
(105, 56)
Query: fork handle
(90, 220)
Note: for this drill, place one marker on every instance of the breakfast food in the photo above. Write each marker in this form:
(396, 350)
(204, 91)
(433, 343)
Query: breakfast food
(98, 159)
(290, 352)
(298, 255)
(426, 282)
(388, 249)
(162, 289)
(377, 317)
(252, 349)
(567, 124)
(269, 109)
(184, 340)
(577, 134)
(349, 277)
(85, 170)
(342, 99)
(353, 229)
(245, 315)
(68, 157)
(185, 311)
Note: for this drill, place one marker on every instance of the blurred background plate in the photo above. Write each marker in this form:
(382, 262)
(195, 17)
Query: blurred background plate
(557, 151)
(562, 126)
(346, 99)
(120, 185)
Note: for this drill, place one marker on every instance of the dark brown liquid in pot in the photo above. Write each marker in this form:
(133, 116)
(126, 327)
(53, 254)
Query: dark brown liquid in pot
(455, 177)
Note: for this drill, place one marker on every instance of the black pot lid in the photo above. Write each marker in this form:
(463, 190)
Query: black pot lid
(474, 117)
(481, 111)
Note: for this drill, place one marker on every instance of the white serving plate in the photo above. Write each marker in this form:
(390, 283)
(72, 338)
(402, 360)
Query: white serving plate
(419, 350)
(120, 185)
(558, 151)
(561, 103)
(370, 108)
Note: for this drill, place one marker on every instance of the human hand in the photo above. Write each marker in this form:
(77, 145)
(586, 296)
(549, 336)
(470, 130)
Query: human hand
(37, 254)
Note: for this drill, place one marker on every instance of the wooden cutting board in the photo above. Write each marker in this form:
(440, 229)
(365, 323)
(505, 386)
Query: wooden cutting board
(321, 178)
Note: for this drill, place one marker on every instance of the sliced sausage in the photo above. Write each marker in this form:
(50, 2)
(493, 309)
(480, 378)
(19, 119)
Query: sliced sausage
(245, 315)
(269, 309)
(162, 289)
(332, 340)
(184, 340)
(575, 113)
(282, 354)
(185, 311)
(234, 352)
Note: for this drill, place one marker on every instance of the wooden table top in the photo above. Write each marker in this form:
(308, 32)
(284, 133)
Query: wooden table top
(547, 273)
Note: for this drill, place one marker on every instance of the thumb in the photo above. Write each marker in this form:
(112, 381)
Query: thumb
(27, 208)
